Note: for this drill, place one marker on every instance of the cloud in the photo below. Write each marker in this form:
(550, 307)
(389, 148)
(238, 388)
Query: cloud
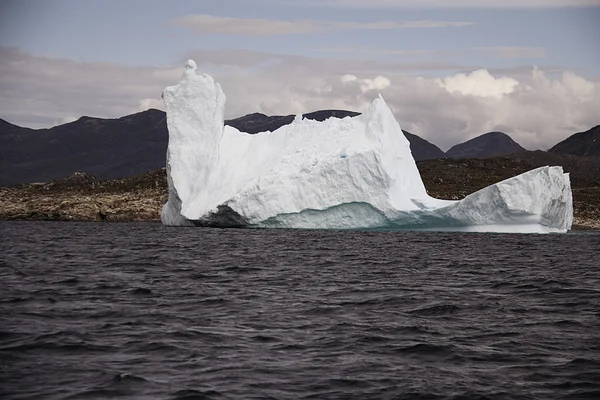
(66, 119)
(39, 91)
(536, 107)
(210, 24)
(367, 84)
(145, 104)
(506, 52)
(478, 83)
(384, 51)
(448, 3)
(512, 52)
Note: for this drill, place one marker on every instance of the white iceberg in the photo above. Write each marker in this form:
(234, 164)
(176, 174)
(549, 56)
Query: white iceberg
(350, 173)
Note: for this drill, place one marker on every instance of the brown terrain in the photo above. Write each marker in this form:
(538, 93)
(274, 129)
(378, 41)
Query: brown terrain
(83, 197)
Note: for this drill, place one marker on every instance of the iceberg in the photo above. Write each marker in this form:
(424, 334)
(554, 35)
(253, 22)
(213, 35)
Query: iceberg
(351, 173)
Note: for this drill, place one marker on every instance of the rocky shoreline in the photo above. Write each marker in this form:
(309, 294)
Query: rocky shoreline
(83, 197)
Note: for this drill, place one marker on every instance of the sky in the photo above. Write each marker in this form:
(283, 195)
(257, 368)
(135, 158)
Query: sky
(450, 70)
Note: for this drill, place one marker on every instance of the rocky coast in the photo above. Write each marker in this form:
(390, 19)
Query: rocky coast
(82, 197)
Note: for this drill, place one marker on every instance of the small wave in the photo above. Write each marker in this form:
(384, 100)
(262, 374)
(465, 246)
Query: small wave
(125, 377)
(192, 394)
(141, 292)
(68, 281)
(583, 362)
(264, 339)
(20, 299)
(373, 301)
(372, 339)
(151, 346)
(435, 310)
(99, 394)
(214, 300)
(426, 349)
(106, 286)
(75, 348)
(324, 309)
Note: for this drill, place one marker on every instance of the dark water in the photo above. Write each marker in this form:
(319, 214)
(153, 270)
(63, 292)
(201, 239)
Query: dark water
(142, 311)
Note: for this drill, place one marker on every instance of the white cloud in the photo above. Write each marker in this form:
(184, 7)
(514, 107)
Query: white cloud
(39, 91)
(210, 24)
(145, 104)
(67, 119)
(349, 78)
(367, 84)
(577, 86)
(478, 83)
(539, 111)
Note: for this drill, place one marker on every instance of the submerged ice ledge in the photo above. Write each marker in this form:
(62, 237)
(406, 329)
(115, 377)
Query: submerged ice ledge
(350, 173)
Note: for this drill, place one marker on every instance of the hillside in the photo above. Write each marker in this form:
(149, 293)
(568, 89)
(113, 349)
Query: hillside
(107, 148)
(585, 144)
(421, 149)
(486, 145)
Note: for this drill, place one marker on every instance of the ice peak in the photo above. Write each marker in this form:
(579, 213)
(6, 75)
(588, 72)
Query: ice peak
(190, 64)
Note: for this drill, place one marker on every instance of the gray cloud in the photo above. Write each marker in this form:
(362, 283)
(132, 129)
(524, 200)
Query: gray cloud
(538, 111)
(512, 52)
(210, 24)
(444, 3)
(40, 91)
(507, 52)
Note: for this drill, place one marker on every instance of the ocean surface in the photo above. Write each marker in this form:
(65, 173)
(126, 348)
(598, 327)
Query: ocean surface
(142, 311)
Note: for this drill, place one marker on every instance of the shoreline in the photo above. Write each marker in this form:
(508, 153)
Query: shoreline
(127, 207)
(581, 226)
(85, 198)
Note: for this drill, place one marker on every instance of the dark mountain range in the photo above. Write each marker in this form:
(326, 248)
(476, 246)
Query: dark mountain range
(585, 144)
(486, 145)
(107, 148)
(127, 146)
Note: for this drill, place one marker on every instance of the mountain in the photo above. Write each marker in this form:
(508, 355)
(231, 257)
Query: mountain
(580, 144)
(107, 148)
(121, 147)
(486, 145)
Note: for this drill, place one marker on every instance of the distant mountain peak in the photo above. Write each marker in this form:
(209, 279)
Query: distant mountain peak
(489, 144)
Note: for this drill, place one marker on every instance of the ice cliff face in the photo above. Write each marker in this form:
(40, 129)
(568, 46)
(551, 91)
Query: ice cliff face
(351, 173)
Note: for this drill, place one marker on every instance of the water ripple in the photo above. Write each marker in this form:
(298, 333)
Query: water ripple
(138, 311)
